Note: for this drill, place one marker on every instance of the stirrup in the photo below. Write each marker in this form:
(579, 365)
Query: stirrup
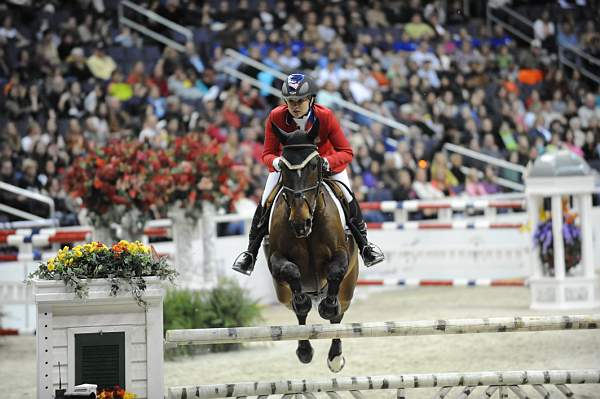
(376, 253)
(237, 264)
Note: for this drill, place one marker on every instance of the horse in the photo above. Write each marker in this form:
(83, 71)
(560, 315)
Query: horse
(310, 256)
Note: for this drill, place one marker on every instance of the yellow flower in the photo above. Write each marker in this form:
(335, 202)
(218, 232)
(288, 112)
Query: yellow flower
(129, 395)
(78, 253)
(51, 265)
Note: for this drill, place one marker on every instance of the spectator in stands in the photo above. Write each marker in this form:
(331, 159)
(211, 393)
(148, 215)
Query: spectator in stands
(404, 189)
(71, 103)
(589, 109)
(100, 64)
(10, 34)
(543, 30)
(423, 188)
(473, 187)
(416, 29)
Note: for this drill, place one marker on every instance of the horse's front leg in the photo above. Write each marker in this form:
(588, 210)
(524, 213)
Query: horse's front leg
(335, 359)
(329, 307)
(285, 271)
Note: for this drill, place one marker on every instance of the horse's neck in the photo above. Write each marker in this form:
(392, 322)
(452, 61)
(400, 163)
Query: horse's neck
(326, 207)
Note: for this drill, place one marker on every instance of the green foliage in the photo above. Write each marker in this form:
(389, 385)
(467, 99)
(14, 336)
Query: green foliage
(226, 305)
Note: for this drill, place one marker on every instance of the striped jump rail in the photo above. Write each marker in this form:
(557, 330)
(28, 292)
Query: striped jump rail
(457, 282)
(457, 205)
(381, 329)
(467, 383)
(478, 225)
(45, 237)
(38, 255)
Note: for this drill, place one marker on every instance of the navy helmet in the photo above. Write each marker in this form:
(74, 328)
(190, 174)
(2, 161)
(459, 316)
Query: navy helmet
(298, 86)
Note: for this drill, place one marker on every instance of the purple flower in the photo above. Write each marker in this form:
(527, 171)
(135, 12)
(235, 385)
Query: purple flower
(544, 238)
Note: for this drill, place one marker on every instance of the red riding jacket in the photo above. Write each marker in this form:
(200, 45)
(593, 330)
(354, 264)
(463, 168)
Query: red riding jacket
(331, 143)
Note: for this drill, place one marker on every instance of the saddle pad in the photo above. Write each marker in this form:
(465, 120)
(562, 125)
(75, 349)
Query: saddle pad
(336, 201)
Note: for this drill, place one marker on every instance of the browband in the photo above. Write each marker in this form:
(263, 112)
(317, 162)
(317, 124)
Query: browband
(303, 164)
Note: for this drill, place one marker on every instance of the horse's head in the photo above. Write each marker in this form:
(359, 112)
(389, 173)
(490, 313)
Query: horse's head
(301, 174)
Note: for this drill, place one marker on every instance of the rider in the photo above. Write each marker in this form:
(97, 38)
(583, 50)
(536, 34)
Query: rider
(300, 112)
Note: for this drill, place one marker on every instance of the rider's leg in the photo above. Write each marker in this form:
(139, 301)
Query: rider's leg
(244, 263)
(370, 253)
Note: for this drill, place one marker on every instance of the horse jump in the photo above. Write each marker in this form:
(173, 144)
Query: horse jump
(491, 381)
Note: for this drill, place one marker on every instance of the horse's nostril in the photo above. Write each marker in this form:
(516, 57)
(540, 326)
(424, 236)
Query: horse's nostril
(307, 222)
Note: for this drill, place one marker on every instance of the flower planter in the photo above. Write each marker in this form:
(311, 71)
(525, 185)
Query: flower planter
(64, 320)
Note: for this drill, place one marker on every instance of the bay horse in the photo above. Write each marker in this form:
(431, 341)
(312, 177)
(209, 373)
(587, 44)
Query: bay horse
(310, 256)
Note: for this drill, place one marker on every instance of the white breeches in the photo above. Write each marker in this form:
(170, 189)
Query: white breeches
(274, 178)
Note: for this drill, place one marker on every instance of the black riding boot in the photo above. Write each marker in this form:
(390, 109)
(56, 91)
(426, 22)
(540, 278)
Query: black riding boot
(244, 263)
(370, 253)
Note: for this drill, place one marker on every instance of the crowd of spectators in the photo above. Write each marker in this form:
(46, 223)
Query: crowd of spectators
(72, 79)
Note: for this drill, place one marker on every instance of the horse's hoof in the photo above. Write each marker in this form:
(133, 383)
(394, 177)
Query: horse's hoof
(305, 354)
(301, 304)
(336, 364)
(328, 309)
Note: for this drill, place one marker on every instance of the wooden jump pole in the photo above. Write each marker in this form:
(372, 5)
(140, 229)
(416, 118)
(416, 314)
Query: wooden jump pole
(381, 329)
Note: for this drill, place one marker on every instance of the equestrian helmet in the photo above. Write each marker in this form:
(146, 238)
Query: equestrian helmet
(298, 86)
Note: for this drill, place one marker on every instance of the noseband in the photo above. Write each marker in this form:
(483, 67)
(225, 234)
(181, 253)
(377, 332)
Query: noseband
(301, 192)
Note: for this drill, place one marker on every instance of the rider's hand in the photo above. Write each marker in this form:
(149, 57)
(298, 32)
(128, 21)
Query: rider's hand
(326, 167)
(277, 164)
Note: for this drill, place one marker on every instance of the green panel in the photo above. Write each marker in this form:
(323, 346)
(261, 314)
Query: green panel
(100, 359)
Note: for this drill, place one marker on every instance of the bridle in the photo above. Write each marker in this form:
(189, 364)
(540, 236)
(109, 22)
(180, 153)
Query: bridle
(301, 192)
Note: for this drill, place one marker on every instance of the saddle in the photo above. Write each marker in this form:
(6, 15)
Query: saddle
(338, 192)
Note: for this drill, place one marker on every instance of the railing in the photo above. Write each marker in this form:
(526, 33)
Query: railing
(563, 48)
(29, 194)
(126, 5)
(564, 59)
(465, 152)
(491, 18)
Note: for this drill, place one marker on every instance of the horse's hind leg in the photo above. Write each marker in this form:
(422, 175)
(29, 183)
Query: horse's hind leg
(335, 359)
(329, 308)
(284, 271)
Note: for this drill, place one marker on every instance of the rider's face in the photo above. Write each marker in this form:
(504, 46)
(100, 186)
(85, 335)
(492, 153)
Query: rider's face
(298, 108)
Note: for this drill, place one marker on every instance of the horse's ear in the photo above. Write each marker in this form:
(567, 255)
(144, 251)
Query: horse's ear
(313, 133)
(281, 135)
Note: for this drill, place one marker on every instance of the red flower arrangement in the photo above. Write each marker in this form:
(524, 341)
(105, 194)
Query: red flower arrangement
(203, 173)
(122, 176)
(128, 175)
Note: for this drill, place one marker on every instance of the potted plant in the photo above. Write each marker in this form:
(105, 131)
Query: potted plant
(544, 240)
(125, 266)
(122, 183)
(204, 180)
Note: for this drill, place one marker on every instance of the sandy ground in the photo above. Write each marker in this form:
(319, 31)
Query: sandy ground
(373, 356)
